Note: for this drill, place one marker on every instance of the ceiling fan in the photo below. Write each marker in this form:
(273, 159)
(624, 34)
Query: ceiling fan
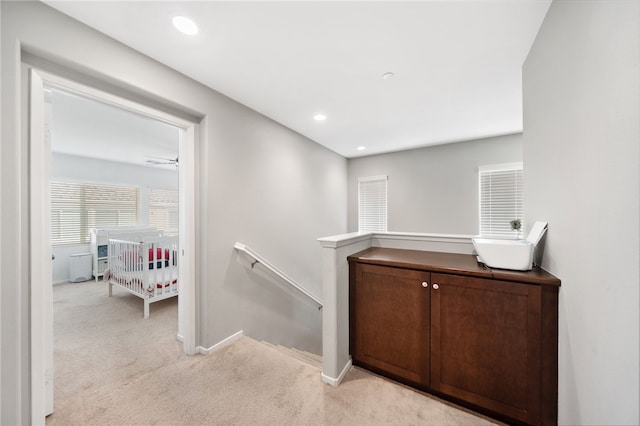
(155, 161)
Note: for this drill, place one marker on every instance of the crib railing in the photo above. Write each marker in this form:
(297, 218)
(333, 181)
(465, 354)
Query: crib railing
(162, 257)
(149, 268)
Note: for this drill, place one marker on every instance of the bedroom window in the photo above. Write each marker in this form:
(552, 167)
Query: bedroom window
(372, 204)
(78, 207)
(500, 199)
(163, 210)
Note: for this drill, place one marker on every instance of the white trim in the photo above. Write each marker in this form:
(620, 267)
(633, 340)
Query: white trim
(336, 381)
(40, 266)
(501, 167)
(414, 236)
(226, 342)
(188, 185)
(110, 99)
(341, 240)
(373, 178)
(337, 241)
(187, 237)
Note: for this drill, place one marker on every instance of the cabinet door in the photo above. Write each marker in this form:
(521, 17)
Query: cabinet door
(389, 321)
(485, 344)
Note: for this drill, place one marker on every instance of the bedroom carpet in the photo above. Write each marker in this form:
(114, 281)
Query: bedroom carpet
(112, 367)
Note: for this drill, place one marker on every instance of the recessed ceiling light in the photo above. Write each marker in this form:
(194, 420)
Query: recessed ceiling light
(319, 117)
(361, 148)
(185, 25)
(388, 75)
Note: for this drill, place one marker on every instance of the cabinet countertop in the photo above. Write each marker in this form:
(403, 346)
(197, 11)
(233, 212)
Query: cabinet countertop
(450, 263)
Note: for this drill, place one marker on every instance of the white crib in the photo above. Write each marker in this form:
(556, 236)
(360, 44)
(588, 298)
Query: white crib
(147, 269)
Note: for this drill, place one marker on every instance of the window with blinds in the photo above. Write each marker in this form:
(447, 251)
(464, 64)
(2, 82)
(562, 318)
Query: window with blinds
(372, 204)
(78, 207)
(163, 210)
(500, 199)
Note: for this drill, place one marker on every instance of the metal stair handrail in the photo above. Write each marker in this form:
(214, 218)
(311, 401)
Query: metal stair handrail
(259, 259)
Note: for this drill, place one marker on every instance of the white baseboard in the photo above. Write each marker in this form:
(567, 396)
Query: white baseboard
(336, 381)
(221, 344)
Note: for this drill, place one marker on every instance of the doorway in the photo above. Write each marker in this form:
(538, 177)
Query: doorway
(41, 271)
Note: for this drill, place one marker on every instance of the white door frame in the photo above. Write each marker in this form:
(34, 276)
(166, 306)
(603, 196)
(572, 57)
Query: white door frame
(40, 243)
(40, 262)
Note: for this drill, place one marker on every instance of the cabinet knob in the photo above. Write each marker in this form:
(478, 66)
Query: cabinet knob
(436, 286)
(425, 284)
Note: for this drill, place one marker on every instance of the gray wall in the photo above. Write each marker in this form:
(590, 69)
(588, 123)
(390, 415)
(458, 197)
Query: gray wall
(72, 168)
(259, 183)
(433, 189)
(582, 175)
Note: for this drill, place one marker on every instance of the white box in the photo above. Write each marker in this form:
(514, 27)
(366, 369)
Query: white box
(80, 267)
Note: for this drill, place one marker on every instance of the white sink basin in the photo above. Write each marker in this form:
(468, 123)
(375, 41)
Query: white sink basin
(505, 254)
(517, 255)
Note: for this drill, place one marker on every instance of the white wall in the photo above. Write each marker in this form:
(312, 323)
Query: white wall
(277, 193)
(582, 175)
(258, 183)
(72, 168)
(433, 189)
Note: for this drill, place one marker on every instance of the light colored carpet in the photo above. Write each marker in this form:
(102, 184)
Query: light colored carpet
(112, 367)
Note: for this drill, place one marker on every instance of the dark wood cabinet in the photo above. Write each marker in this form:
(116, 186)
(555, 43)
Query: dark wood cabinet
(485, 343)
(390, 325)
(443, 323)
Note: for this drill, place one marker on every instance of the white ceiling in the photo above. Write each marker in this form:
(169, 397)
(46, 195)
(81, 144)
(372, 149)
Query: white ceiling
(88, 128)
(457, 64)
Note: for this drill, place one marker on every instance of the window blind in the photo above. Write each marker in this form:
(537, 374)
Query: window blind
(78, 207)
(500, 199)
(163, 210)
(372, 204)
